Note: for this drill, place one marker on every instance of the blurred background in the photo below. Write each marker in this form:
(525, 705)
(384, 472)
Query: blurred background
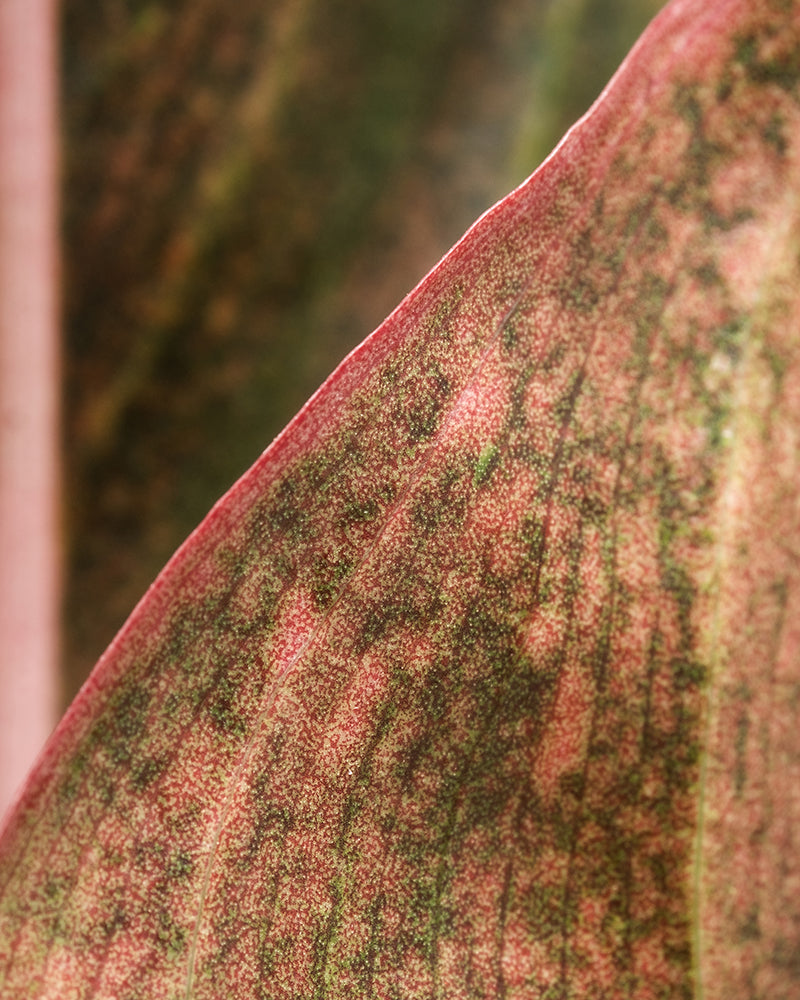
(247, 190)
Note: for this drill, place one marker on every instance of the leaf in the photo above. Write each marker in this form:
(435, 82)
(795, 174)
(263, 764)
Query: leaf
(484, 681)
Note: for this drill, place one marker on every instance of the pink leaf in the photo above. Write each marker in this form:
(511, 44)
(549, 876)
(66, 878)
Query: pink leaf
(483, 682)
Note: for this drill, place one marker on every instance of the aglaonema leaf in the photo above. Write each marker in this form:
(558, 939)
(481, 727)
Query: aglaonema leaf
(484, 681)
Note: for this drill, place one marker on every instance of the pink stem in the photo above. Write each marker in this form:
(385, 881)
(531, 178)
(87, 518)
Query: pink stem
(29, 531)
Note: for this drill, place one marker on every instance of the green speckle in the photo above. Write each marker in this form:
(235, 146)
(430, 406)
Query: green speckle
(170, 937)
(486, 464)
(180, 865)
(363, 510)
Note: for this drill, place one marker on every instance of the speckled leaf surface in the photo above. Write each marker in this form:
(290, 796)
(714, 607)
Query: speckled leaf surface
(485, 680)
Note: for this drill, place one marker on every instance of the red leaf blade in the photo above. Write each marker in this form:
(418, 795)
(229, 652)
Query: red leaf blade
(484, 678)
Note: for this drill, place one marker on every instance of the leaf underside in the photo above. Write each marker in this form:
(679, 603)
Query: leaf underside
(484, 681)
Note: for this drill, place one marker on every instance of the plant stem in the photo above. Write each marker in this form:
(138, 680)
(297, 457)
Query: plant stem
(29, 542)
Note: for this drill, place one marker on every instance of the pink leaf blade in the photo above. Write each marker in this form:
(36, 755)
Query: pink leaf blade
(484, 678)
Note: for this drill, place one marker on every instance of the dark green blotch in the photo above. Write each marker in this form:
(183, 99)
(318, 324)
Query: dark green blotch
(272, 824)
(484, 626)
(749, 929)
(187, 625)
(54, 889)
(435, 694)
(681, 955)
(593, 508)
(327, 579)
(777, 362)
(714, 219)
(728, 338)
(582, 293)
(68, 789)
(582, 494)
(678, 582)
(356, 511)
(688, 673)
(180, 865)
(285, 513)
(271, 953)
(688, 107)
(554, 357)
(319, 470)
(222, 711)
(401, 612)
(680, 769)
(740, 745)
(227, 720)
(520, 689)
(564, 406)
(782, 70)
(787, 956)
(486, 797)
(415, 755)
(169, 936)
(440, 323)
(670, 505)
(424, 412)
(510, 335)
(775, 136)
(324, 938)
(120, 730)
(440, 504)
(653, 293)
(708, 274)
(690, 191)
(573, 783)
(145, 771)
(118, 921)
(363, 964)
(661, 868)
(551, 912)
(128, 719)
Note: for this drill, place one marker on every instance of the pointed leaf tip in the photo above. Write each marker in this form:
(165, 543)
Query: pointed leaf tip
(483, 681)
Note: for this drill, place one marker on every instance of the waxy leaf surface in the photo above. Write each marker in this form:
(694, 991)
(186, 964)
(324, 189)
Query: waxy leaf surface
(484, 681)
